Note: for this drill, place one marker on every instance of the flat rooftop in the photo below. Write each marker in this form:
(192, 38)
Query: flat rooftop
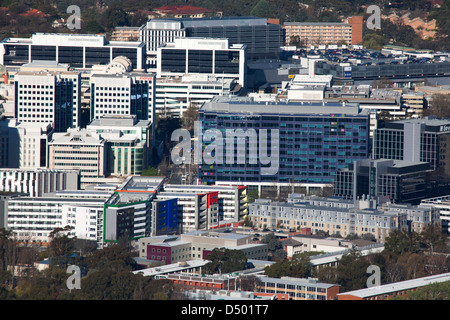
(119, 121)
(248, 105)
(397, 286)
(298, 281)
(141, 184)
(172, 268)
(214, 21)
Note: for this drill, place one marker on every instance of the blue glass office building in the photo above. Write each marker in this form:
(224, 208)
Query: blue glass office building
(315, 139)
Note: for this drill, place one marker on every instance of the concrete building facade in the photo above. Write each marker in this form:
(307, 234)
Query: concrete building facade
(79, 150)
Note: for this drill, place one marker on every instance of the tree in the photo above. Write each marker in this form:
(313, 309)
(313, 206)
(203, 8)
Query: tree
(150, 172)
(115, 257)
(225, 260)
(439, 106)
(374, 41)
(247, 221)
(93, 26)
(261, 9)
(189, 117)
(249, 282)
(297, 42)
(274, 246)
(433, 238)
(413, 265)
(61, 245)
(299, 266)
(351, 271)
(400, 241)
(434, 291)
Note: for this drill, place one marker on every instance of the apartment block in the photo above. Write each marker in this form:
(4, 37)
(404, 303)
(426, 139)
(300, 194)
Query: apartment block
(164, 217)
(419, 217)
(211, 56)
(320, 33)
(232, 200)
(127, 215)
(196, 211)
(104, 216)
(298, 288)
(125, 34)
(79, 150)
(24, 145)
(48, 97)
(128, 212)
(321, 214)
(414, 103)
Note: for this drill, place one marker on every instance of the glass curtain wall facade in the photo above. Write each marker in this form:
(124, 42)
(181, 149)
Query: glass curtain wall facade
(312, 147)
(262, 41)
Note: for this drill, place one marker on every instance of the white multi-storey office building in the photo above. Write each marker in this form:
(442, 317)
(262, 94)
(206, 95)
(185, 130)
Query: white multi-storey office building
(174, 95)
(123, 94)
(79, 150)
(263, 39)
(28, 144)
(36, 183)
(32, 219)
(48, 97)
(81, 51)
(129, 142)
(24, 145)
(202, 56)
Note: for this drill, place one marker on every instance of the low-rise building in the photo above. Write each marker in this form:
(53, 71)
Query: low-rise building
(387, 291)
(298, 288)
(305, 243)
(198, 245)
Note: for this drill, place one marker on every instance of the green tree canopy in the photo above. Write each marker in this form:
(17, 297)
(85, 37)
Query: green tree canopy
(351, 271)
(401, 241)
(299, 266)
(434, 291)
(261, 9)
(225, 260)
